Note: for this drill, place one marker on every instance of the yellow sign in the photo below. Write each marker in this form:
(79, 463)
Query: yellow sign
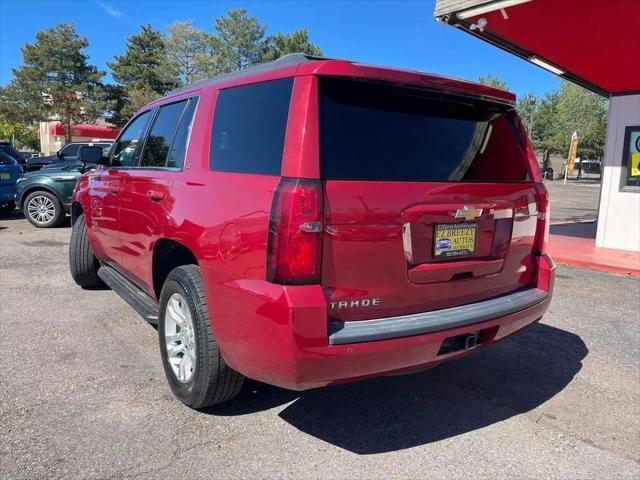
(453, 240)
(635, 164)
(573, 148)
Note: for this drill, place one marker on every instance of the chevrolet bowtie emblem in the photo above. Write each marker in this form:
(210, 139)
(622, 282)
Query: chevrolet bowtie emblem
(468, 213)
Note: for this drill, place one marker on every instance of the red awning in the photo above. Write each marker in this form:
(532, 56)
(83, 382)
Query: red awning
(595, 43)
(91, 131)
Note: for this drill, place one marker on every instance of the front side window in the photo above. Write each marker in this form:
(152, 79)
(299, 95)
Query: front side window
(124, 153)
(249, 126)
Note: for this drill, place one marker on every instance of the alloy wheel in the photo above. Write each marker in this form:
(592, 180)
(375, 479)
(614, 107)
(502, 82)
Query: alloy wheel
(179, 338)
(41, 209)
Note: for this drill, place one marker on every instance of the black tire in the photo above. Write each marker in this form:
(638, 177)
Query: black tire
(82, 262)
(7, 208)
(32, 200)
(212, 381)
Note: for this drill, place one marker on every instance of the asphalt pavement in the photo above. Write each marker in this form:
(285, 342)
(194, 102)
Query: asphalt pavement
(83, 394)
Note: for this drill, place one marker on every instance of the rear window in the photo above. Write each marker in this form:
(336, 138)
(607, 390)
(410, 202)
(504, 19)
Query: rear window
(249, 125)
(372, 131)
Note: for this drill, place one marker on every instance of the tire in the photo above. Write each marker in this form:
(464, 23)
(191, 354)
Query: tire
(43, 209)
(82, 262)
(210, 381)
(7, 208)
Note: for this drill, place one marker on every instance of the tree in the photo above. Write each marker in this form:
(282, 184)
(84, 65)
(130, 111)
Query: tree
(585, 112)
(191, 52)
(19, 134)
(492, 81)
(297, 42)
(55, 82)
(239, 40)
(143, 72)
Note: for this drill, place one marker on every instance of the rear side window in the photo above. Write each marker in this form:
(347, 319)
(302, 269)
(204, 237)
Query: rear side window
(249, 126)
(160, 139)
(371, 131)
(179, 147)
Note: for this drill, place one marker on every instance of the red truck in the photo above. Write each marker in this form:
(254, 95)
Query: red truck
(314, 221)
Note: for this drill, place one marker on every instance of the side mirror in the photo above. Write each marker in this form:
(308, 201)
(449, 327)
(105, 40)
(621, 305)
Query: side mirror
(87, 154)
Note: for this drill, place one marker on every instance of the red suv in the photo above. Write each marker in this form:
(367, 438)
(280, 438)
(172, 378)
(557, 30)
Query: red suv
(314, 221)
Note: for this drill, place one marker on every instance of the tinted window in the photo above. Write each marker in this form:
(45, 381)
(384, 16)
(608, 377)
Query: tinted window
(158, 143)
(383, 132)
(124, 151)
(176, 155)
(70, 150)
(249, 126)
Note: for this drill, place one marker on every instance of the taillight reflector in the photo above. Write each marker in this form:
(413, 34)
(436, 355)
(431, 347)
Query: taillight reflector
(542, 230)
(295, 233)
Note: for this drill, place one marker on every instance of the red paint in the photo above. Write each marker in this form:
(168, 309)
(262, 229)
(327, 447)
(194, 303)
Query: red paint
(593, 39)
(278, 333)
(93, 131)
(583, 253)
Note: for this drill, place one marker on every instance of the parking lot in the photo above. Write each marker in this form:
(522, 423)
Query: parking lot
(83, 394)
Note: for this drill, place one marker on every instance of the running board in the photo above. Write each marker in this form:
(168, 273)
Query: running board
(142, 303)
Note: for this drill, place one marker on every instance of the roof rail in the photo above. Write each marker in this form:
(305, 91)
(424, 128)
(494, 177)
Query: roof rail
(289, 59)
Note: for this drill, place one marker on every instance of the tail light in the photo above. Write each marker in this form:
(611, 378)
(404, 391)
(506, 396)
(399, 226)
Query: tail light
(295, 233)
(542, 229)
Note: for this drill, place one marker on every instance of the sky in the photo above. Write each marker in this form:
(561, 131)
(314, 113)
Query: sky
(395, 33)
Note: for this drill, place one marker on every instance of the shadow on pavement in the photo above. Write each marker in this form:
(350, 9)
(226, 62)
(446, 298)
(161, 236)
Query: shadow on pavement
(581, 229)
(393, 413)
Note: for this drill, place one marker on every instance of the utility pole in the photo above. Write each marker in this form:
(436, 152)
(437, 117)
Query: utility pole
(532, 104)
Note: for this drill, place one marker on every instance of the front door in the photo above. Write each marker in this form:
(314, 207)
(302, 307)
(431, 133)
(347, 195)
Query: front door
(106, 190)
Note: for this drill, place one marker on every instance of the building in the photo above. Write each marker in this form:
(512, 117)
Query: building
(593, 43)
(52, 136)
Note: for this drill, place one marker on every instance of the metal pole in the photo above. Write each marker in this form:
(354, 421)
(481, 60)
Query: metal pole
(532, 103)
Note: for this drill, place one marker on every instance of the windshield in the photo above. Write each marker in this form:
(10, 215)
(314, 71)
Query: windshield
(373, 131)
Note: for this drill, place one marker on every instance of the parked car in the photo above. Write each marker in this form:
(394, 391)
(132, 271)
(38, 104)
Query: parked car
(68, 153)
(9, 173)
(44, 196)
(279, 223)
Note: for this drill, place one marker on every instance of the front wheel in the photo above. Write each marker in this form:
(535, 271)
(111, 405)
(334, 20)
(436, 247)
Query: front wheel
(43, 209)
(82, 262)
(192, 361)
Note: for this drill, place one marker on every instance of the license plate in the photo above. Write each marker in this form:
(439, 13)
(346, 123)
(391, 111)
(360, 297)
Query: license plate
(454, 239)
(5, 176)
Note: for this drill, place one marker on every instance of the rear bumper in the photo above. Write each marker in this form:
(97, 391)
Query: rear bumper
(282, 337)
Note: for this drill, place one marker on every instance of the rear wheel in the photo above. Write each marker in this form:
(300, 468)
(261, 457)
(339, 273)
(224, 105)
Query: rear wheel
(43, 209)
(193, 363)
(82, 262)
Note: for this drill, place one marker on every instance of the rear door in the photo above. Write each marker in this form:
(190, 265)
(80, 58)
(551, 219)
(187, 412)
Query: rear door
(146, 201)
(429, 201)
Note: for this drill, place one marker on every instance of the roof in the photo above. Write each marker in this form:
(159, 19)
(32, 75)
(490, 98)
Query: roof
(286, 60)
(303, 64)
(593, 43)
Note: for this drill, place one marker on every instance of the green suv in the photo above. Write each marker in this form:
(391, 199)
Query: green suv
(44, 196)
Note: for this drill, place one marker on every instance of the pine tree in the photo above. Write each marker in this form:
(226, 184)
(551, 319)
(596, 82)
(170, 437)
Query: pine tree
(143, 72)
(55, 82)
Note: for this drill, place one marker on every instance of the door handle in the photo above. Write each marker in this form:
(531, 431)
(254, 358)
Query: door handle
(115, 189)
(155, 195)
